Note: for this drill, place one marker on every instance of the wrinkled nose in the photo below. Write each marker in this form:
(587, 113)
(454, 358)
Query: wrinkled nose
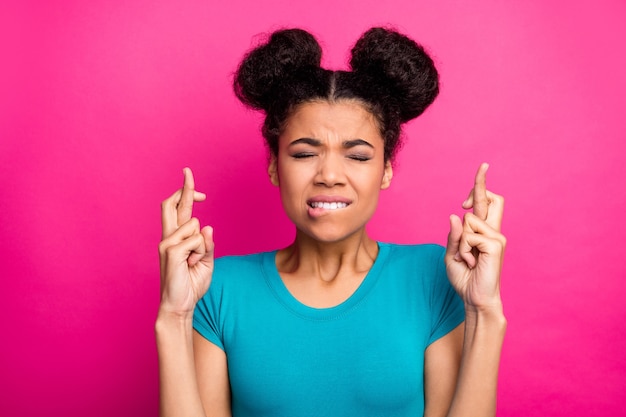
(330, 171)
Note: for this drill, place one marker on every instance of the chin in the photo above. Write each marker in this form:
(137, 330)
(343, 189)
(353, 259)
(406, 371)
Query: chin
(330, 235)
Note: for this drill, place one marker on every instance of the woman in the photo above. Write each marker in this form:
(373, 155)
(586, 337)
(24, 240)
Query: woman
(337, 323)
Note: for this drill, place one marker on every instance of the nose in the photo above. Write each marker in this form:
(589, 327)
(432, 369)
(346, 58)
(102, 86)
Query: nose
(330, 171)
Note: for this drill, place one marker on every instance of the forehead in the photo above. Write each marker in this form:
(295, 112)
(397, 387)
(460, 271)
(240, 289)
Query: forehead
(323, 120)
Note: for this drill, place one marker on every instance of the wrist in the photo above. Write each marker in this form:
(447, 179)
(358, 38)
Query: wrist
(170, 329)
(492, 315)
(492, 307)
(173, 319)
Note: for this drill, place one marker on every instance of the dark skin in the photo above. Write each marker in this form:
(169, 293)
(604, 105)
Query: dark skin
(194, 374)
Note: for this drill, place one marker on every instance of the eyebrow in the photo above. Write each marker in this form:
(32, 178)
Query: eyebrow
(346, 144)
(356, 142)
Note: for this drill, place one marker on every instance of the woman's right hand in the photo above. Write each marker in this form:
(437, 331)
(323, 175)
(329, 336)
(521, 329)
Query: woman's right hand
(185, 251)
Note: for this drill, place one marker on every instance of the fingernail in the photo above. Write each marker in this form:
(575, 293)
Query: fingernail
(457, 256)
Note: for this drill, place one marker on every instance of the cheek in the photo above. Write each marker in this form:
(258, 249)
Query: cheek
(369, 181)
(294, 174)
(292, 186)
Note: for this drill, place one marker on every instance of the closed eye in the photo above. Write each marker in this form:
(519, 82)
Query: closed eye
(358, 149)
(358, 157)
(302, 155)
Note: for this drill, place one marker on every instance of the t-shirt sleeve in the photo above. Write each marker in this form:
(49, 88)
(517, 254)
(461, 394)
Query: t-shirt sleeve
(206, 315)
(448, 310)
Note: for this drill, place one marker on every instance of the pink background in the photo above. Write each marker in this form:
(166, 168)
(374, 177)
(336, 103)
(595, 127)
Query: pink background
(104, 102)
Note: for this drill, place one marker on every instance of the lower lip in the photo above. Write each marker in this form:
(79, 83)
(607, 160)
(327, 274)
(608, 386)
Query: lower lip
(319, 211)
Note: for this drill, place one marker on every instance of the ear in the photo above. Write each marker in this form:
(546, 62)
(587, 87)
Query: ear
(272, 170)
(387, 176)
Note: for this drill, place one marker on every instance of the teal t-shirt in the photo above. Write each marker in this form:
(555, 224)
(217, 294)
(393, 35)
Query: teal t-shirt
(364, 357)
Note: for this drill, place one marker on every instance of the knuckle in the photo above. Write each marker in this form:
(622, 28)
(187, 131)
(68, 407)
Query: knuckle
(163, 247)
(468, 218)
(497, 243)
(169, 251)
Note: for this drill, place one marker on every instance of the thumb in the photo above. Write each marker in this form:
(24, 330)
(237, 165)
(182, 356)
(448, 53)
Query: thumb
(454, 239)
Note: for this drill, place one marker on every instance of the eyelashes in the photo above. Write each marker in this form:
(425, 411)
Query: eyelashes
(354, 157)
(302, 155)
(361, 158)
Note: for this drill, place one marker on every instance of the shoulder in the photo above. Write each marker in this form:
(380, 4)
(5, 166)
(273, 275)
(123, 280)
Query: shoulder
(421, 263)
(420, 253)
(235, 269)
(236, 277)
(240, 261)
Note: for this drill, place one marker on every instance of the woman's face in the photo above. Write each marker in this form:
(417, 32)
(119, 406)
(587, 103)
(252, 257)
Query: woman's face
(330, 168)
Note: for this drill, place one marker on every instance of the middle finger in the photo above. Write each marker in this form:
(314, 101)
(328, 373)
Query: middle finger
(184, 207)
(479, 194)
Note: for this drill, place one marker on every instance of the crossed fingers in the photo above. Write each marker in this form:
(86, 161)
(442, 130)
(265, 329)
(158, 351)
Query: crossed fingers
(486, 205)
(177, 209)
(479, 231)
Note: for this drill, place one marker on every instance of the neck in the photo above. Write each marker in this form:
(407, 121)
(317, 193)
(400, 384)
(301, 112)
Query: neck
(328, 261)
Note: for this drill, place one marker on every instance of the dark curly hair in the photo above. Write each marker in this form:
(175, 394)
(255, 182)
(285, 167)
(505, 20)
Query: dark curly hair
(391, 75)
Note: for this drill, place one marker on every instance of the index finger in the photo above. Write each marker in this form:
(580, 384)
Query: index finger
(479, 194)
(169, 211)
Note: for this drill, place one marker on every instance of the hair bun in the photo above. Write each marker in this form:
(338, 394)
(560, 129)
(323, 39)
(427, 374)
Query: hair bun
(287, 53)
(402, 65)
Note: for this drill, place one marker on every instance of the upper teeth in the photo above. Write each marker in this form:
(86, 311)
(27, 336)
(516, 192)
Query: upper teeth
(328, 206)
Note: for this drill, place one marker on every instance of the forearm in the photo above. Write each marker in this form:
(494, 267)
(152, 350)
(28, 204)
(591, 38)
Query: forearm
(476, 389)
(179, 394)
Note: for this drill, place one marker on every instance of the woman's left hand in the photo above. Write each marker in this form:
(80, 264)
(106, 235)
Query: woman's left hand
(475, 247)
